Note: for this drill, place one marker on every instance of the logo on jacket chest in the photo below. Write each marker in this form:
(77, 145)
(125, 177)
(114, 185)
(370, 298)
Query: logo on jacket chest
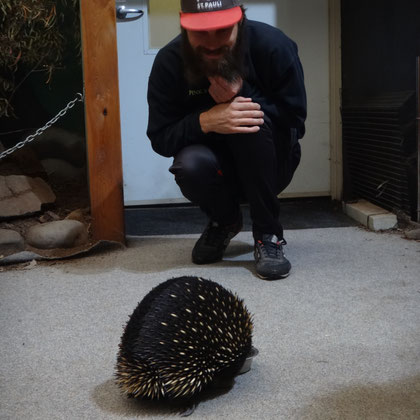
(197, 92)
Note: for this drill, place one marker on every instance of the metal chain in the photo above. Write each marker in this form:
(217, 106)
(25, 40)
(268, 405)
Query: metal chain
(38, 132)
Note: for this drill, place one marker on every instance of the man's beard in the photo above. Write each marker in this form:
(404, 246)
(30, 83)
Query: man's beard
(229, 66)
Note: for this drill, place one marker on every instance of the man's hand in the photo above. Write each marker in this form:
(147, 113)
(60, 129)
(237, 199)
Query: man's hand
(223, 91)
(239, 116)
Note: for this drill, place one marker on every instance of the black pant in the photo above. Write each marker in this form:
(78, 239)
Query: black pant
(229, 169)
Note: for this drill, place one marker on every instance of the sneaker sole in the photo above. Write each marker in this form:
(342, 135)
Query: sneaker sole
(280, 277)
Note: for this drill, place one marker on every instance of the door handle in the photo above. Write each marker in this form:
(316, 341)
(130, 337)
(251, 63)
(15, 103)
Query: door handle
(122, 13)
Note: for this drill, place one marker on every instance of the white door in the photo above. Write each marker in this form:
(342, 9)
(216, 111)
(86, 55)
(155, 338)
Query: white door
(146, 176)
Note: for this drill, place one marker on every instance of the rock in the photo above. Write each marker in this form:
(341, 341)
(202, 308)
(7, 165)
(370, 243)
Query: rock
(28, 162)
(31, 265)
(22, 195)
(10, 241)
(61, 171)
(413, 234)
(49, 216)
(58, 234)
(58, 143)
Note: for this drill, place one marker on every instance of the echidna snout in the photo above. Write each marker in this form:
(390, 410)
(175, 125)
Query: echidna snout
(183, 335)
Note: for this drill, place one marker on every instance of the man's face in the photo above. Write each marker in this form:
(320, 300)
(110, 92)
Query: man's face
(212, 46)
(211, 53)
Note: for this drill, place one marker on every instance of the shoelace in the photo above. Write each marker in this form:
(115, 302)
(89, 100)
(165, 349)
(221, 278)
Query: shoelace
(271, 249)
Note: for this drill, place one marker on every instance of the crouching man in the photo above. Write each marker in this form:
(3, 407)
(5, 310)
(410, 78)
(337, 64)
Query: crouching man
(227, 100)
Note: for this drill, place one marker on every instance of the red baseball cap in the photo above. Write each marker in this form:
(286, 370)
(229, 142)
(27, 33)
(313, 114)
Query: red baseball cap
(198, 15)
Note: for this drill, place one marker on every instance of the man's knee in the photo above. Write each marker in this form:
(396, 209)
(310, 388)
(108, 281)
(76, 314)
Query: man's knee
(195, 162)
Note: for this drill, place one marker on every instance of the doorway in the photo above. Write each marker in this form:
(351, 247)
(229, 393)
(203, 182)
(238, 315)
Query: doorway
(146, 177)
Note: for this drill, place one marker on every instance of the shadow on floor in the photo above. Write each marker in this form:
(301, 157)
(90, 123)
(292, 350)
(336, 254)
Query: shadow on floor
(394, 400)
(109, 399)
(158, 254)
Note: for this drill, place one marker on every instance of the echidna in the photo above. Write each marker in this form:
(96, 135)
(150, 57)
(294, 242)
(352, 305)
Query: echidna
(186, 333)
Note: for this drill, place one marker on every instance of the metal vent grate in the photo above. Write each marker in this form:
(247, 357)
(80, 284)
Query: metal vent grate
(375, 140)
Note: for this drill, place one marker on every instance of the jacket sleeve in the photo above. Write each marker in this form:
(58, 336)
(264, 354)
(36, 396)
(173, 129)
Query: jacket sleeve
(170, 127)
(288, 90)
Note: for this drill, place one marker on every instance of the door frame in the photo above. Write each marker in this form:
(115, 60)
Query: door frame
(336, 134)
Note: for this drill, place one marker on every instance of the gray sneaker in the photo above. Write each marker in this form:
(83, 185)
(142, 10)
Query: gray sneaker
(270, 262)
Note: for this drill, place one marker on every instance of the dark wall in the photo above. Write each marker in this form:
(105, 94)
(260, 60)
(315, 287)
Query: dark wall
(35, 101)
(380, 46)
(380, 42)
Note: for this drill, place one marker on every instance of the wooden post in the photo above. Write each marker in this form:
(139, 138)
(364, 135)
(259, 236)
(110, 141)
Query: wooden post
(100, 69)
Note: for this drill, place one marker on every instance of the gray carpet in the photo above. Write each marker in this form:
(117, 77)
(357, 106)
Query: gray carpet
(338, 339)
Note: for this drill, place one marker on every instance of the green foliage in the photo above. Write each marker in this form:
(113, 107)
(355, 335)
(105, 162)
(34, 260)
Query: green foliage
(33, 38)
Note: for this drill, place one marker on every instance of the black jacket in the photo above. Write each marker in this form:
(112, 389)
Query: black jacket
(274, 79)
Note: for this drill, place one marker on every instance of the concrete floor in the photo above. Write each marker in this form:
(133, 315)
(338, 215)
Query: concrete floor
(338, 339)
